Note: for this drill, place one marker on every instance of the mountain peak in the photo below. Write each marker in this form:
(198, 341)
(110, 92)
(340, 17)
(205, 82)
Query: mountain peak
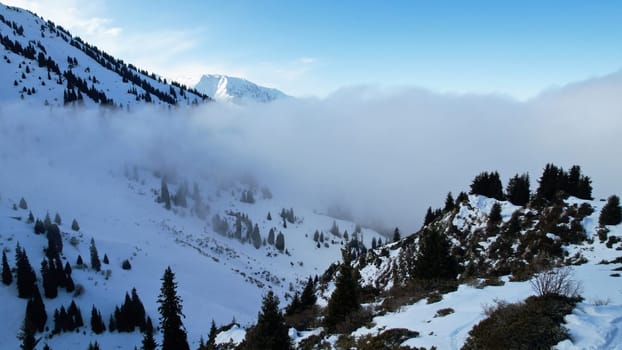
(236, 90)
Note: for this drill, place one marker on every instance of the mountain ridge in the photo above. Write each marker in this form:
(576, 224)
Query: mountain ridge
(236, 90)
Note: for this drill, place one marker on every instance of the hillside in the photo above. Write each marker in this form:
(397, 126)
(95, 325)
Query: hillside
(43, 64)
(236, 90)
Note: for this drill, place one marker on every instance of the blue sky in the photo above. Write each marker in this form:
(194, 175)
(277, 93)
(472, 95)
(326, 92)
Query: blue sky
(315, 47)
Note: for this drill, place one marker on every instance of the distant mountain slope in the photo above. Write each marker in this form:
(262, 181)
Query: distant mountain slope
(42, 63)
(236, 90)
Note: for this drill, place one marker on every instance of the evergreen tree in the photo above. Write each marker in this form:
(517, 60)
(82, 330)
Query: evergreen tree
(396, 235)
(165, 197)
(345, 297)
(47, 222)
(27, 335)
(39, 227)
(50, 284)
(149, 342)
(23, 204)
(449, 202)
(31, 218)
(7, 276)
(611, 214)
(308, 298)
(271, 237)
(429, 217)
(26, 277)
(57, 219)
(517, 191)
(95, 262)
(97, 322)
(434, 259)
(173, 331)
(105, 259)
(93, 346)
(55, 241)
(79, 261)
(137, 310)
(211, 338)
(269, 217)
(256, 237)
(75, 226)
(334, 229)
(270, 332)
(374, 243)
(549, 182)
(35, 311)
(488, 184)
(280, 242)
(495, 213)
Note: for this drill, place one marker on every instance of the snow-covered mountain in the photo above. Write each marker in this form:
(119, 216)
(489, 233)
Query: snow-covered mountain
(43, 64)
(236, 90)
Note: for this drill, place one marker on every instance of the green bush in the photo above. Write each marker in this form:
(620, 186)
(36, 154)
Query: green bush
(535, 323)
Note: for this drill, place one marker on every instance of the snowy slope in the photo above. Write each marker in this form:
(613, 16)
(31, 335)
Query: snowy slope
(115, 203)
(236, 90)
(37, 56)
(594, 324)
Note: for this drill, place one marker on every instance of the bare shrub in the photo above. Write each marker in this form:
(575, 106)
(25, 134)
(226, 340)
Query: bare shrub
(556, 282)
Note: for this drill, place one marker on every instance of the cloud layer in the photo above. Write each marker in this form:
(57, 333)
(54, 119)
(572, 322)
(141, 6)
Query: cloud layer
(384, 154)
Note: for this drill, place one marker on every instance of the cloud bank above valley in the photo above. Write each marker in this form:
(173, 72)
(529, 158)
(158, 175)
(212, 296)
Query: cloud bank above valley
(384, 154)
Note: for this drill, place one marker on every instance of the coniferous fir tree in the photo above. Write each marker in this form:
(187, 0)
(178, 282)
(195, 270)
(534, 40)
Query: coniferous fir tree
(270, 332)
(26, 277)
(27, 335)
(449, 202)
(611, 214)
(97, 322)
(434, 259)
(35, 311)
(173, 331)
(396, 235)
(7, 276)
(95, 262)
(345, 297)
(517, 191)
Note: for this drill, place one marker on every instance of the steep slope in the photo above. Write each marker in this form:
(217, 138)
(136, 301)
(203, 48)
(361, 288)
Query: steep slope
(43, 64)
(221, 273)
(236, 90)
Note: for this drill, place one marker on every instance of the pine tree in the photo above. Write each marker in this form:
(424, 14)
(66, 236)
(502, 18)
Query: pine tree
(345, 297)
(549, 182)
(429, 217)
(75, 226)
(23, 204)
(26, 277)
(374, 243)
(271, 237)
(488, 184)
(27, 335)
(308, 298)
(396, 235)
(280, 242)
(149, 342)
(31, 218)
(173, 331)
(270, 332)
(495, 213)
(95, 262)
(7, 276)
(50, 284)
(39, 227)
(105, 259)
(269, 217)
(334, 229)
(47, 221)
(434, 259)
(93, 346)
(165, 197)
(35, 311)
(97, 322)
(611, 214)
(211, 338)
(449, 202)
(256, 237)
(57, 219)
(79, 261)
(517, 191)
(137, 310)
